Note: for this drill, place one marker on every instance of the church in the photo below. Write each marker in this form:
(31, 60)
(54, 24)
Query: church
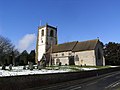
(88, 53)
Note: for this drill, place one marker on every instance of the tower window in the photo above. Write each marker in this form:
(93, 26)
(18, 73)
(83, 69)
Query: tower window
(52, 33)
(42, 34)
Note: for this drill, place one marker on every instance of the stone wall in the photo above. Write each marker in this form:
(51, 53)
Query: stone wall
(30, 81)
(62, 56)
(86, 58)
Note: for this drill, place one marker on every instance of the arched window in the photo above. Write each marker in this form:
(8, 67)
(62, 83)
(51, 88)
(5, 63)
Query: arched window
(42, 34)
(82, 62)
(52, 33)
(57, 61)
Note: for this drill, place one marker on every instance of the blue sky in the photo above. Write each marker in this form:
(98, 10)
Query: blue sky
(76, 19)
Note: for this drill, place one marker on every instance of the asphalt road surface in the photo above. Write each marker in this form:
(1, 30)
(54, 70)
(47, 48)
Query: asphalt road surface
(109, 81)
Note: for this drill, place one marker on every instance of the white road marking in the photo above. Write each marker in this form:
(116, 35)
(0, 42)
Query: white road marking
(91, 83)
(109, 86)
(116, 84)
(76, 88)
(113, 84)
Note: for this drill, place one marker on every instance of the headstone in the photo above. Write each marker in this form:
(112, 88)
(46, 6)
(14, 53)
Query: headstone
(30, 65)
(24, 67)
(10, 67)
(39, 66)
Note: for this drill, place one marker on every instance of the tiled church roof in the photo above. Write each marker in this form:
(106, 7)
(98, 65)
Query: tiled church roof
(85, 45)
(74, 46)
(64, 47)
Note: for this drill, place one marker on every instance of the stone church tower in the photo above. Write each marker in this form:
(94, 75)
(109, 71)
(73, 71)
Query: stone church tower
(47, 36)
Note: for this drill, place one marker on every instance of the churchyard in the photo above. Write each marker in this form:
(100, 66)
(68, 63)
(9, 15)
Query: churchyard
(30, 70)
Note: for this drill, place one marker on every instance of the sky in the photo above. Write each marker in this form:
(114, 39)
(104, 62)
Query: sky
(76, 20)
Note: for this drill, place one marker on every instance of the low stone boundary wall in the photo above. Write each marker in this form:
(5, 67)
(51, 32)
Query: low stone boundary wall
(29, 81)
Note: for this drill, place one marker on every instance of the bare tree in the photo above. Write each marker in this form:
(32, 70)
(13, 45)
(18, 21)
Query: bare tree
(6, 48)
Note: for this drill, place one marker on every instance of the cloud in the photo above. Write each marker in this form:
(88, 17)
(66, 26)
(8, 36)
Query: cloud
(27, 42)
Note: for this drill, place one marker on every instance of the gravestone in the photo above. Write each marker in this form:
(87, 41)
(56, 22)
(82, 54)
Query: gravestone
(24, 67)
(10, 67)
(30, 65)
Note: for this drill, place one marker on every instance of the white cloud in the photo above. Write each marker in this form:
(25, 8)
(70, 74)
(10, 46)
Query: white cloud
(27, 42)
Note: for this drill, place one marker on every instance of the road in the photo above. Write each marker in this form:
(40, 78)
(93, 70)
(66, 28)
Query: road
(109, 81)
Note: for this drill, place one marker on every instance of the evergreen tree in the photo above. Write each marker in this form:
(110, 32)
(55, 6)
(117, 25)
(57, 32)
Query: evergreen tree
(31, 56)
(112, 53)
(23, 60)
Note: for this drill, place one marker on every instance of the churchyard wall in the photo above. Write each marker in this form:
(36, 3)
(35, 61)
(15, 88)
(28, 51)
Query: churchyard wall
(30, 81)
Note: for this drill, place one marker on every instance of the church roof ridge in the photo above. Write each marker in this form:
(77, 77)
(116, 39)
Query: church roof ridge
(77, 41)
(90, 40)
(67, 43)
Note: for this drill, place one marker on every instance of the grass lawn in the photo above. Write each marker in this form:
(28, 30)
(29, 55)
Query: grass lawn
(76, 67)
(99, 67)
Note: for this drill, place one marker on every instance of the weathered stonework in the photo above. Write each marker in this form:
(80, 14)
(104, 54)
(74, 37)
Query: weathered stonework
(86, 58)
(45, 39)
(88, 53)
